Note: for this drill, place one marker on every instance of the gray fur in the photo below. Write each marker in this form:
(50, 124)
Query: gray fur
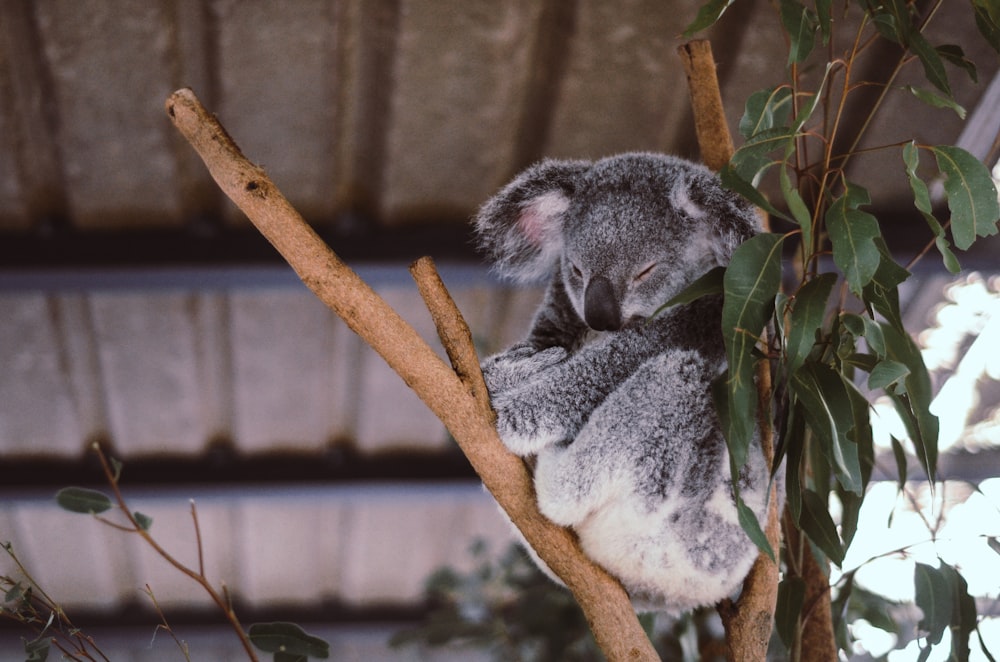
(616, 406)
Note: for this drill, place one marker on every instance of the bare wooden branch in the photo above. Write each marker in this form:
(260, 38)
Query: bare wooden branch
(706, 101)
(604, 601)
(748, 622)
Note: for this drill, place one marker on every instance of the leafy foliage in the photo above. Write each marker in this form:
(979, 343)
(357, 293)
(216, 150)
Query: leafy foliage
(828, 357)
(506, 606)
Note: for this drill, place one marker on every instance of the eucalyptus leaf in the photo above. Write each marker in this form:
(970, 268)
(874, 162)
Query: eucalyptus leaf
(963, 612)
(808, 313)
(791, 597)
(852, 233)
(37, 650)
(801, 25)
(816, 522)
(766, 109)
(922, 201)
(933, 597)
(914, 406)
(936, 100)
(747, 519)
(144, 521)
(709, 13)
(887, 374)
(972, 195)
(751, 282)
(899, 454)
(825, 19)
(882, 292)
(705, 285)
(956, 56)
(829, 413)
(287, 638)
(83, 500)
(732, 180)
(988, 21)
(929, 58)
(797, 206)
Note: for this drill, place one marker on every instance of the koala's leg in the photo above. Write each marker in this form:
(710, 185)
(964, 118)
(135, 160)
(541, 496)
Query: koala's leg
(635, 447)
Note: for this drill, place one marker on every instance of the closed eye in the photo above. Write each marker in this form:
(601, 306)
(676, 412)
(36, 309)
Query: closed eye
(646, 271)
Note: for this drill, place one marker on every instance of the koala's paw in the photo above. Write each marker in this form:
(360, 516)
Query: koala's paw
(522, 428)
(518, 365)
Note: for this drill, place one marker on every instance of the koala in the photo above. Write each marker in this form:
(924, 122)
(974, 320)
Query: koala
(611, 400)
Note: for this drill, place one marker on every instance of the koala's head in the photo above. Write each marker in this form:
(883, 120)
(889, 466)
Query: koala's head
(624, 234)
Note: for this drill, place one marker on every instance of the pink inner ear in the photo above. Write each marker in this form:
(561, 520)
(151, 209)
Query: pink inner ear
(540, 217)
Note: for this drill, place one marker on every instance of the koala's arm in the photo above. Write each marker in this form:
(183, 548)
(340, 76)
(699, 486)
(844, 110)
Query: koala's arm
(552, 404)
(555, 332)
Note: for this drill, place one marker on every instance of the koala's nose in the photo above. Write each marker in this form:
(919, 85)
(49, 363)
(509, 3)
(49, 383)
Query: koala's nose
(600, 306)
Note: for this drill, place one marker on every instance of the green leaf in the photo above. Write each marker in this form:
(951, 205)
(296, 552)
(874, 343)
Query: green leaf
(954, 54)
(752, 527)
(900, 456)
(751, 282)
(791, 597)
(963, 612)
(706, 285)
(816, 522)
(933, 65)
(825, 18)
(808, 312)
(887, 374)
(914, 406)
(144, 521)
(14, 593)
(709, 13)
(798, 207)
(37, 650)
(287, 638)
(882, 293)
(801, 24)
(83, 500)
(792, 441)
(935, 100)
(972, 195)
(934, 599)
(988, 21)
(748, 521)
(852, 233)
(849, 516)
(829, 412)
(732, 180)
(766, 109)
(922, 201)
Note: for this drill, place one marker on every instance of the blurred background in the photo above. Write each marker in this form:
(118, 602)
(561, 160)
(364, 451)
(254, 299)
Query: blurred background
(140, 310)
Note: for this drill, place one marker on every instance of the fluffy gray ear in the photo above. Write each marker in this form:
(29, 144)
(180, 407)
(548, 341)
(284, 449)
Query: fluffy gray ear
(520, 228)
(726, 218)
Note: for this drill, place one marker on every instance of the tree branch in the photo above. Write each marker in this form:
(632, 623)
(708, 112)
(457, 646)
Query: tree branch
(461, 405)
(748, 621)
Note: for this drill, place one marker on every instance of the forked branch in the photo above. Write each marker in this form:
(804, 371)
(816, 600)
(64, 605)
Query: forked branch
(460, 402)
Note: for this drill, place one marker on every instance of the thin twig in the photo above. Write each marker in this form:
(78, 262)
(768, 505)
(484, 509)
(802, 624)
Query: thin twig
(200, 578)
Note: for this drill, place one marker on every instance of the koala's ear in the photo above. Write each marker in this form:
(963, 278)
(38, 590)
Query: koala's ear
(520, 228)
(723, 219)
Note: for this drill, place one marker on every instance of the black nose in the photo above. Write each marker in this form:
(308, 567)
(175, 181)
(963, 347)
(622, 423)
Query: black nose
(600, 306)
